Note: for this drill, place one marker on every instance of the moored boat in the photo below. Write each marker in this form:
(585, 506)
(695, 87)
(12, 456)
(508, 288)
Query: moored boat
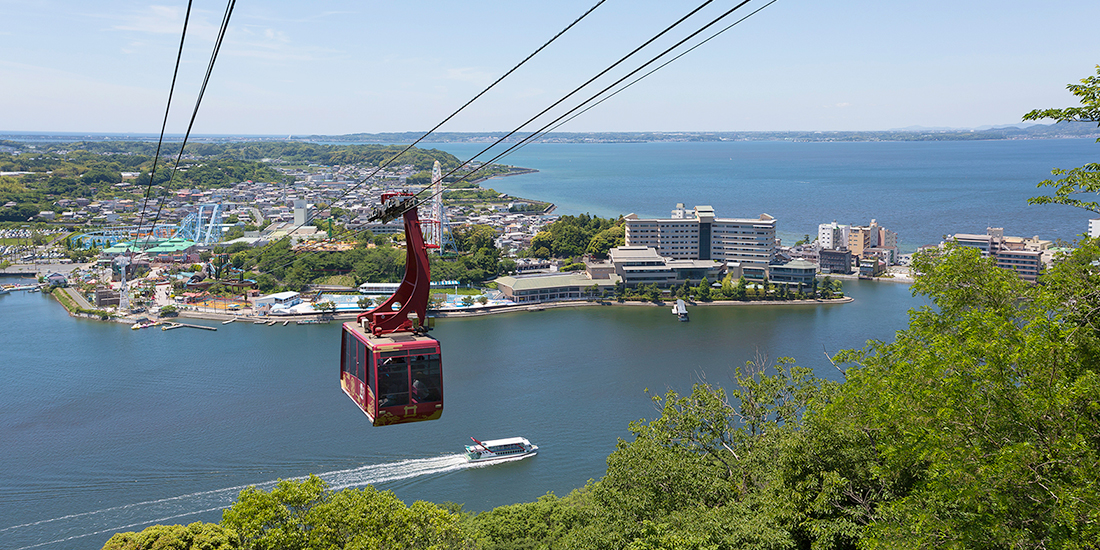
(500, 449)
(680, 310)
(144, 323)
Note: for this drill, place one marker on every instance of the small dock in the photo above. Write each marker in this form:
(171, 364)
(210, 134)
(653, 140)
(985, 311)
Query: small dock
(680, 310)
(170, 326)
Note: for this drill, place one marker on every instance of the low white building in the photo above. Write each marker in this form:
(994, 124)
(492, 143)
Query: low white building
(263, 305)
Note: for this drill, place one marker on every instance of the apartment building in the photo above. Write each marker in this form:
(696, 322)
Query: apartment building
(1024, 255)
(871, 240)
(832, 236)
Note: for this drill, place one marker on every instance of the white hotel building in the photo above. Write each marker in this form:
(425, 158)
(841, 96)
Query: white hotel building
(697, 235)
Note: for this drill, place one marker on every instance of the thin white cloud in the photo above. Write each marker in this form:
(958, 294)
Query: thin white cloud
(469, 74)
(154, 19)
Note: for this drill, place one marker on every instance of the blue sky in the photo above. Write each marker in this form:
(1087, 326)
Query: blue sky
(336, 66)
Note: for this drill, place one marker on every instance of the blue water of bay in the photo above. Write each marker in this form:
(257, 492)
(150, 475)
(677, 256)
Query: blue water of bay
(922, 190)
(109, 429)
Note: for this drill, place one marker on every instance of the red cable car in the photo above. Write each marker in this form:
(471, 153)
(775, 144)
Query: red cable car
(389, 365)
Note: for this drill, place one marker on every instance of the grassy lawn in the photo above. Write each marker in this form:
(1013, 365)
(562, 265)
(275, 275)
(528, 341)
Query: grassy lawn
(461, 291)
(63, 297)
(340, 280)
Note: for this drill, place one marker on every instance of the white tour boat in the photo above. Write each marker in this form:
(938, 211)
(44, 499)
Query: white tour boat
(500, 449)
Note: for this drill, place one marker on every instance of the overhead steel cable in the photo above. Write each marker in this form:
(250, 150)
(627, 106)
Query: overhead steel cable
(198, 101)
(164, 124)
(635, 71)
(387, 162)
(640, 78)
(597, 94)
(542, 130)
(581, 87)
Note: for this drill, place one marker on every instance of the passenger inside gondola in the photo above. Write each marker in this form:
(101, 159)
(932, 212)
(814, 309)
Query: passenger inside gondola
(425, 373)
(393, 382)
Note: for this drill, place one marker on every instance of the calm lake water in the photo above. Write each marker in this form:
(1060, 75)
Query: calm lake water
(106, 429)
(922, 190)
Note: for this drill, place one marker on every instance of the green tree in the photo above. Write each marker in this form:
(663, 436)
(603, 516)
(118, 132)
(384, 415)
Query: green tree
(475, 238)
(306, 514)
(702, 292)
(727, 290)
(1083, 179)
(702, 474)
(327, 305)
(591, 292)
(198, 535)
(740, 291)
(980, 409)
(605, 240)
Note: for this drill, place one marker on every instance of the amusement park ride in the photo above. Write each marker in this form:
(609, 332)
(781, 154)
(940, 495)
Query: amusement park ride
(389, 365)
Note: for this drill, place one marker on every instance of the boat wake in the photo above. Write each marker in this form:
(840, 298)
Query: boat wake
(137, 516)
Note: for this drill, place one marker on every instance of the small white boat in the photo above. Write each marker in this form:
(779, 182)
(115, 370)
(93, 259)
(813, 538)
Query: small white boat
(500, 449)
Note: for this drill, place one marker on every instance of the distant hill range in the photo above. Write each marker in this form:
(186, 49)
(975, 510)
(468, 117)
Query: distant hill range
(1021, 131)
(913, 133)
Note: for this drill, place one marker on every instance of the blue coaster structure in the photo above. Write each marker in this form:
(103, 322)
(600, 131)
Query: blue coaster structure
(203, 226)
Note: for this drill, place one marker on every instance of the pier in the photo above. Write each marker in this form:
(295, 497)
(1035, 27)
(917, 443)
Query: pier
(170, 326)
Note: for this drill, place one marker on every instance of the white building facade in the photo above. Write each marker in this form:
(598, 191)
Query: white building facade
(698, 235)
(832, 236)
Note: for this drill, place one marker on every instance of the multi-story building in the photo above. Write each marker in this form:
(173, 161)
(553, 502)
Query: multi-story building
(832, 236)
(1022, 255)
(794, 273)
(698, 235)
(860, 240)
(985, 243)
(835, 261)
(1026, 263)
